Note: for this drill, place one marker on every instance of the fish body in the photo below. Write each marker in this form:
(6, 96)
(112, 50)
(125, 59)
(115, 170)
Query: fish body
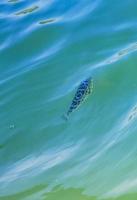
(84, 89)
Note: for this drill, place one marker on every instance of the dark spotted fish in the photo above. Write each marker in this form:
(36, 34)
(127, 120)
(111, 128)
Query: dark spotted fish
(84, 89)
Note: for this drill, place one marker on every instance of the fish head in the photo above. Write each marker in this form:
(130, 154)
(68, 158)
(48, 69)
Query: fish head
(90, 84)
(90, 80)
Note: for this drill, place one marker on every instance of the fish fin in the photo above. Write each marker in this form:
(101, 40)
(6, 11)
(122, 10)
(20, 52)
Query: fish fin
(89, 91)
(65, 117)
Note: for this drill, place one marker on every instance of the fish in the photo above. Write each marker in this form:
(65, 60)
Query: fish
(84, 89)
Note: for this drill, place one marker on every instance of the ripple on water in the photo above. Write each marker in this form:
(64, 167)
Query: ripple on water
(13, 1)
(122, 53)
(129, 185)
(131, 116)
(27, 10)
(36, 164)
(116, 57)
(47, 21)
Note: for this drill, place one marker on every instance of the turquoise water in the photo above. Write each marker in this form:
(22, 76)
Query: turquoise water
(47, 48)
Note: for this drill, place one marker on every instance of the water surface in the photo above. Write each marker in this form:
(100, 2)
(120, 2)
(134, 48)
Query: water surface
(46, 49)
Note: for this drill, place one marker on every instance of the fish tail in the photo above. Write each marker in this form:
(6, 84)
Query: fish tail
(65, 117)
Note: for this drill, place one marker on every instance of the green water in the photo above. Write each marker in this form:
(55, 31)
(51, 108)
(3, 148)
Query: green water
(46, 49)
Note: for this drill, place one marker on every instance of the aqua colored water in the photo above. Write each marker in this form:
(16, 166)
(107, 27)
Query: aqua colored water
(47, 47)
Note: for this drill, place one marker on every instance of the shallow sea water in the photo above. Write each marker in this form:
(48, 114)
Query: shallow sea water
(47, 47)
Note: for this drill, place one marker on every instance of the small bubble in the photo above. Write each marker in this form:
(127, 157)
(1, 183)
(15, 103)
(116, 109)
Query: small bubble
(12, 126)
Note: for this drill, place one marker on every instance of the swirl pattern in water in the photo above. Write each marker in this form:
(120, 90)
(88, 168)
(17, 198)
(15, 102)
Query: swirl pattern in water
(47, 47)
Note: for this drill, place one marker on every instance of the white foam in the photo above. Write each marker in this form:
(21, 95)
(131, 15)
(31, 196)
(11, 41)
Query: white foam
(123, 188)
(33, 165)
